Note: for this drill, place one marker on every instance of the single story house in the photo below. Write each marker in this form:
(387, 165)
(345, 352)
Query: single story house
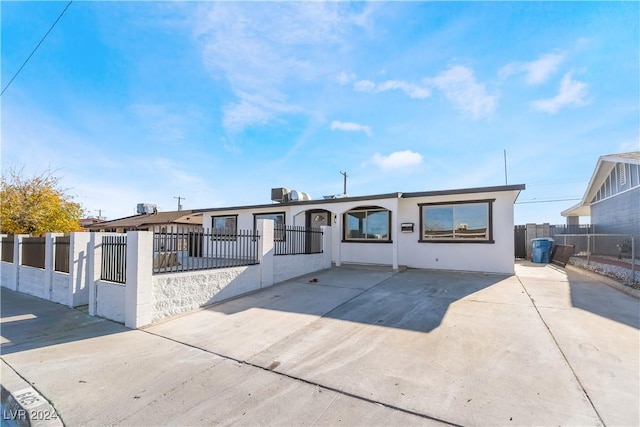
(466, 229)
(612, 198)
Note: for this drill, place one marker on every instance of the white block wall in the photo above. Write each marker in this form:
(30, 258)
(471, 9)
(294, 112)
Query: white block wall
(110, 301)
(180, 292)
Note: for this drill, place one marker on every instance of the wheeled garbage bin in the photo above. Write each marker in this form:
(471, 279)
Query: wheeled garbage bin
(542, 249)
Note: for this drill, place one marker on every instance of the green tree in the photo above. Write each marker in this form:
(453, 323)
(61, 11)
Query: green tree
(36, 205)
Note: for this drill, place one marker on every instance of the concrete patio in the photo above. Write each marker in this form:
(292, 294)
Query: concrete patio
(350, 345)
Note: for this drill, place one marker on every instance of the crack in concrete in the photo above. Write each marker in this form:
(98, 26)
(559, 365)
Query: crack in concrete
(564, 356)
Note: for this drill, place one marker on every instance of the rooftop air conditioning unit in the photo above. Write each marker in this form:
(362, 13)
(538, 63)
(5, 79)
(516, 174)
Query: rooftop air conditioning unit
(280, 194)
(146, 208)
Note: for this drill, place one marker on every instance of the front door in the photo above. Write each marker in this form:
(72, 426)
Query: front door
(318, 218)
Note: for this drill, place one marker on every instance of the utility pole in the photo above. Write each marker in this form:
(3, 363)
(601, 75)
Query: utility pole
(505, 167)
(179, 198)
(100, 213)
(344, 174)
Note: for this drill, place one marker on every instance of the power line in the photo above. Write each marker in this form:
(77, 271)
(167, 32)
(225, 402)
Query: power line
(36, 48)
(546, 201)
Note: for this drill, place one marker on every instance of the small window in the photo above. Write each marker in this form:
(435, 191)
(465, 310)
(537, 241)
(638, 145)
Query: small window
(278, 224)
(456, 222)
(622, 174)
(224, 227)
(367, 224)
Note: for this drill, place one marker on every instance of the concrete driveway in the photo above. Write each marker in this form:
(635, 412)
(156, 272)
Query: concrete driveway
(370, 347)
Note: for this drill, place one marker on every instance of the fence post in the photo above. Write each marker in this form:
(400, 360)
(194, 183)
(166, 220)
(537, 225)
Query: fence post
(264, 227)
(93, 270)
(139, 281)
(79, 272)
(17, 259)
(588, 248)
(49, 256)
(633, 259)
(338, 228)
(326, 245)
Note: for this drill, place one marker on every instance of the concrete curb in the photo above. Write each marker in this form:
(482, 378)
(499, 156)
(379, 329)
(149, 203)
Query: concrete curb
(22, 405)
(606, 280)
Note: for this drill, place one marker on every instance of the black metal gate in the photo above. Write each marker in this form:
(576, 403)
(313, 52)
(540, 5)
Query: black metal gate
(520, 238)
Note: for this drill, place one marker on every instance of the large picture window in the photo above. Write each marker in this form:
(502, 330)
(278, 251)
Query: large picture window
(224, 227)
(457, 222)
(278, 223)
(368, 224)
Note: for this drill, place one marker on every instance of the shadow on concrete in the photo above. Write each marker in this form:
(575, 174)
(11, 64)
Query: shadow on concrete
(600, 299)
(28, 322)
(415, 300)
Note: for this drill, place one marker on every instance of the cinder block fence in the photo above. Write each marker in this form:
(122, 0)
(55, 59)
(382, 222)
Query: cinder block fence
(140, 277)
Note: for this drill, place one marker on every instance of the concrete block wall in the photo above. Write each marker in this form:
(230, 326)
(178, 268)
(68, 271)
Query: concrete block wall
(45, 282)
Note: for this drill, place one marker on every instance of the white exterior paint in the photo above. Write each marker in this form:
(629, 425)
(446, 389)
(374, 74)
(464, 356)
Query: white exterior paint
(8, 275)
(110, 301)
(32, 281)
(59, 288)
(78, 269)
(287, 267)
(404, 248)
(494, 257)
(180, 292)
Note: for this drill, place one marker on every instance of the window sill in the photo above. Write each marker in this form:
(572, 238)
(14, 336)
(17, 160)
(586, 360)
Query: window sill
(490, 242)
(366, 241)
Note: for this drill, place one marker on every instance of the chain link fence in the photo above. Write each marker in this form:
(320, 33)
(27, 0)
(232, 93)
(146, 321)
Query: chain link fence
(614, 255)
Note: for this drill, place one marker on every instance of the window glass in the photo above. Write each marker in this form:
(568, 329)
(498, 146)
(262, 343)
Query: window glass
(438, 222)
(367, 224)
(463, 221)
(278, 223)
(224, 224)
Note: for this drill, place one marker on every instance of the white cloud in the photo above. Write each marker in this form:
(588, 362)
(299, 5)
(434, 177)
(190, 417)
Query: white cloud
(266, 50)
(572, 93)
(537, 71)
(345, 78)
(397, 160)
(459, 86)
(630, 145)
(350, 127)
(412, 90)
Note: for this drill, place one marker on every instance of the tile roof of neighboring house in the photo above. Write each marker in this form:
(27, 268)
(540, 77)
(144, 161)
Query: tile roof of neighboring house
(188, 217)
(602, 170)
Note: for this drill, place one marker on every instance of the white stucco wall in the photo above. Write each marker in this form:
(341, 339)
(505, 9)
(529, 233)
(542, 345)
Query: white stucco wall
(60, 288)
(110, 301)
(287, 267)
(497, 257)
(32, 281)
(180, 292)
(7, 275)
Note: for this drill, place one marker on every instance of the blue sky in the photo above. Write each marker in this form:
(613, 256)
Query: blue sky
(219, 102)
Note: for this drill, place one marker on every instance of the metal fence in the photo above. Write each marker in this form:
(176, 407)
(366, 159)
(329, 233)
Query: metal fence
(61, 260)
(114, 259)
(188, 250)
(297, 240)
(33, 249)
(7, 248)
(616, 250)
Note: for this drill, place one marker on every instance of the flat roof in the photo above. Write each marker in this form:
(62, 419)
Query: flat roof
(396, 195)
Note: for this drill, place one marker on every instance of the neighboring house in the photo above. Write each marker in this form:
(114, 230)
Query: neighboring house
(467, 229)
(86, 222)
(612, 198)
(154, 221)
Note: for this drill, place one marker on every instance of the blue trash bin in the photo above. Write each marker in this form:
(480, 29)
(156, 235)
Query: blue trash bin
(542, 249)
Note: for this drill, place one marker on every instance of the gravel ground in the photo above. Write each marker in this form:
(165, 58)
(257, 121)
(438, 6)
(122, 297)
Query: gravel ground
(619, 273)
